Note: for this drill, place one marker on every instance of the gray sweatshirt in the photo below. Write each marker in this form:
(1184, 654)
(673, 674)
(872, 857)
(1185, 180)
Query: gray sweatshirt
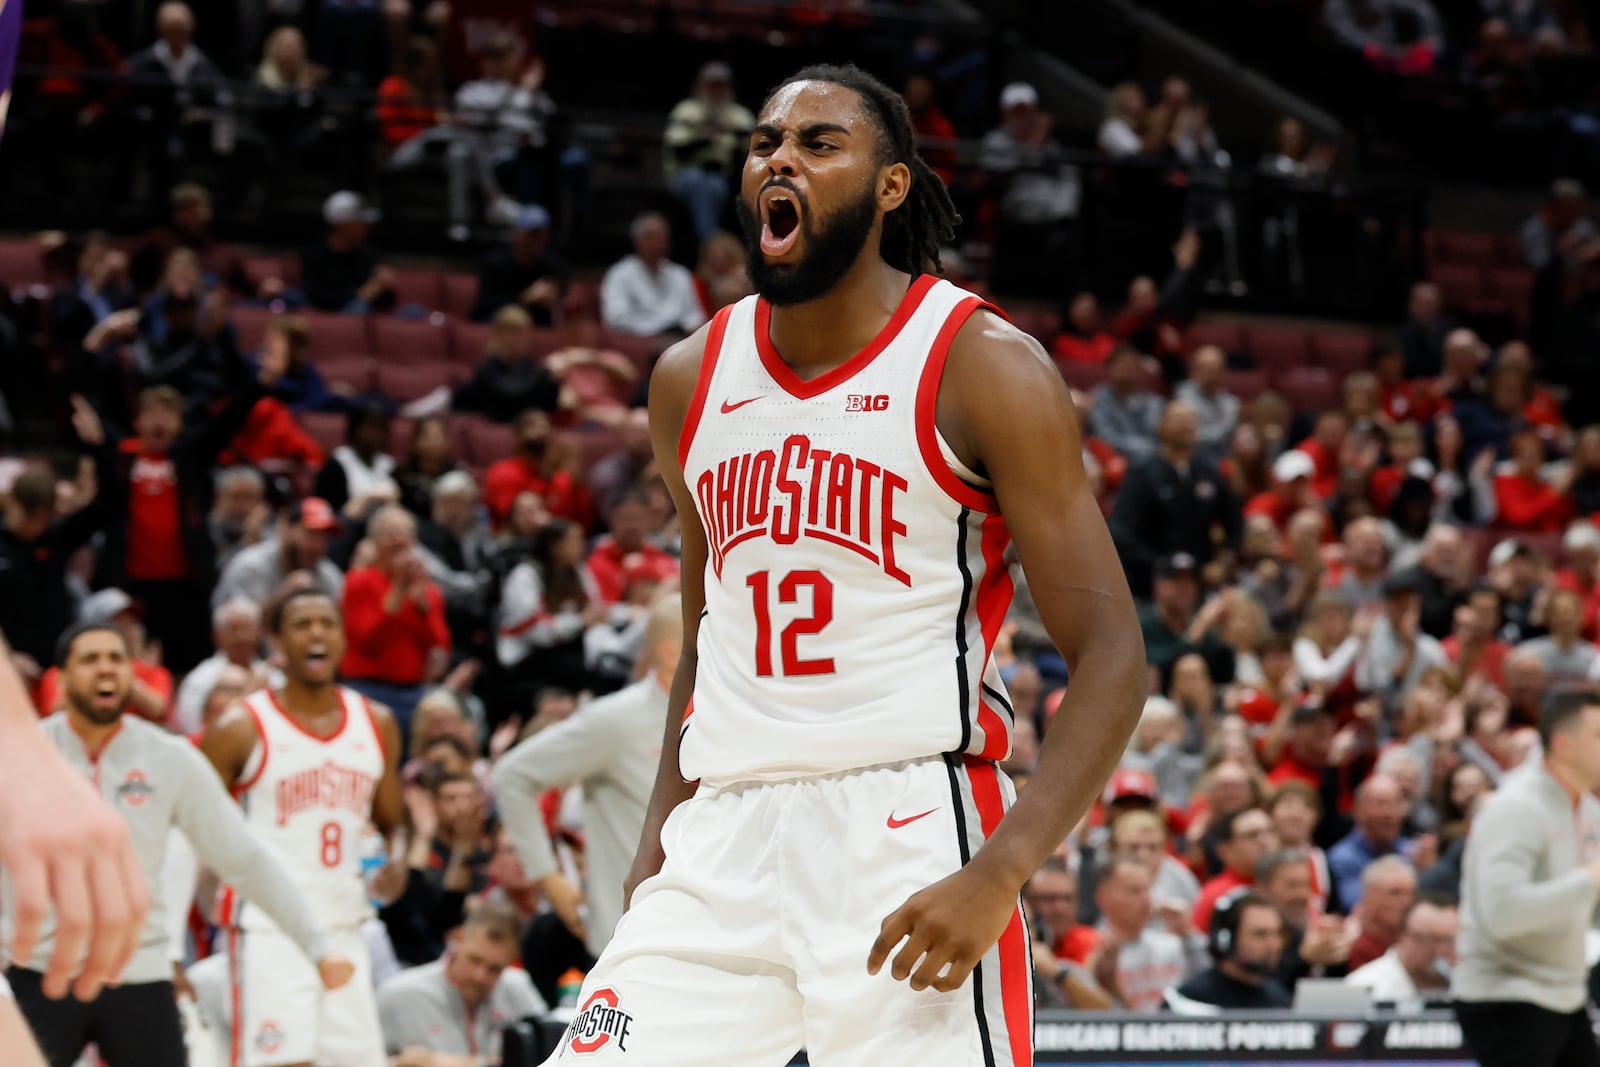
(1526, 894)
(155, 781)
(419, 1008)
(611, 746)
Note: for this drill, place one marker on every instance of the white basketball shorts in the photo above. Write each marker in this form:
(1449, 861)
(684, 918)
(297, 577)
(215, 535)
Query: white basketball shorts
(281, 1013)
(753, 940)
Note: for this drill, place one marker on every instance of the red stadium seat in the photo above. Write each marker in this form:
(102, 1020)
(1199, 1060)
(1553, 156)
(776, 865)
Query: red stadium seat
(458, 292)
(250, 326)
(325, 428)
(1277, 349)
(1342, 353)
(420, 287)
(641, 351)
(1461, 247)
(332, 334)
(1460, 284)
(409, 341)
(1508, 251)
(1245, 384)
(1310, 389)
(1042, 323)
(1513, 289)
(260, 268)
(407, 382)
(468, 341)
(1225, 335)
(597, 386)
(484, 442)
(1082, 376)
(358, 372)
(21, 263)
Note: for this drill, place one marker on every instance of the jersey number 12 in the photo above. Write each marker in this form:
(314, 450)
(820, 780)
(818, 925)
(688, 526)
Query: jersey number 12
(805, 626)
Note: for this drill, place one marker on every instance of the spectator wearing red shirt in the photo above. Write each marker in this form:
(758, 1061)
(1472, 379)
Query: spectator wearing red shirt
(1582, 572)
(151, 696)
(411, 100)
(1472, 645)
(1243, 837)
(1325, 446)
(1526, 502)
(1291, 490)
(1306, 753)
(1084, 338)
(629, 521)
(1405, 456)
(536, 468)
(159, 547)
(1052, 899)
(273, 440)
(394, 617)
(1401, 399)
(1388, 886)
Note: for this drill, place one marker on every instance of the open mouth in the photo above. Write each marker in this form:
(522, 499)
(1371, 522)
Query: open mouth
(106, 691)
(317, 658)
(780, 210)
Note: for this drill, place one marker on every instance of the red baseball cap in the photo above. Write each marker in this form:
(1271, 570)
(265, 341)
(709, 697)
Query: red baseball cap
(1131, 783)
(314, 513)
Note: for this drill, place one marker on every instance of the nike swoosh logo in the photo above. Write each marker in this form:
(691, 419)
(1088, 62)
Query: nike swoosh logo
(895, 824)
(727, 407)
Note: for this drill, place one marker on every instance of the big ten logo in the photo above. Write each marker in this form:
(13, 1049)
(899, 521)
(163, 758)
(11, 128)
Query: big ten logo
(866, 402)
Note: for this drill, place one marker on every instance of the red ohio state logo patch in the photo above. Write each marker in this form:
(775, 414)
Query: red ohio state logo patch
(600, 1022)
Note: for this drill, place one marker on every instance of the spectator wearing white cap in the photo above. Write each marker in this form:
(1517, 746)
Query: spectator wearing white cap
(342, 273)
(705, 136)
(1581, 543)
(1291, 490)
(524, 272)
(1038, 192)
(1559, 227)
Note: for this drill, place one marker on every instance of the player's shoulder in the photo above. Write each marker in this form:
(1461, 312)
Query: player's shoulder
(678, 368)
(990, 341)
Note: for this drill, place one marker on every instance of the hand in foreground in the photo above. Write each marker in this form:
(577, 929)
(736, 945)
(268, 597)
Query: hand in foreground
(948, 926)
(334, 971)
(64, 847)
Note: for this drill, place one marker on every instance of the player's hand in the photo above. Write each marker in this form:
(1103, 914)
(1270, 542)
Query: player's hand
(64, 847)
(948, 926)
(565, 900)
(335, 971)
(413, 1057)
(182, 988)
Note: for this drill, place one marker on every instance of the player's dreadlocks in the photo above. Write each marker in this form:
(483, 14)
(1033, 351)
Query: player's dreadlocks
(913, 232)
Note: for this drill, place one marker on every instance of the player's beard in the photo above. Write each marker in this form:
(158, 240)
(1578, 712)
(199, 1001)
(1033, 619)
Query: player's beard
(831, 249)
(89, 709)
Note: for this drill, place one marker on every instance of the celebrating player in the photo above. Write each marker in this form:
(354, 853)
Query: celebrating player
(851, 454)
(313, 764)
(155, 781)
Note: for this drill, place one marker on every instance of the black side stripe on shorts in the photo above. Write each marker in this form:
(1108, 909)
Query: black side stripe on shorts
(966, 857)
(1000, 698)
(963, 686)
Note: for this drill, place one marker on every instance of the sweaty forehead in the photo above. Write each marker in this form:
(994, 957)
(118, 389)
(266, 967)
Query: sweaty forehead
(803, 103)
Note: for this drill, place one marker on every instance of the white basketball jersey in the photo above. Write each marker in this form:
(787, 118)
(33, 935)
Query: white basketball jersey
(855, 585)
(310, 799)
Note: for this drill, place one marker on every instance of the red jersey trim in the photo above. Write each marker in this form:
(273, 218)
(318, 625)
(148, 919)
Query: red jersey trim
(702, 384)
(266, 751)
(344, 718)
(927, 412)
(94, 756)
(805, 389)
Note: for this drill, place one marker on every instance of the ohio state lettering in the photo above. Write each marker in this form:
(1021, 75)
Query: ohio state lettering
(802, 491)
(328, 786)
(599, 1024)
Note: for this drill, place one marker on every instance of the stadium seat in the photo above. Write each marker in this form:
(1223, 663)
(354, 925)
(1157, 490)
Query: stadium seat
(21, 263)
(1309, 389)
(1461, 285)
(1225, 335)
(1082, 376)
(355, 371)
(325, 428)
(419, 287)
(468, 341)
(262, 267)
(409, 341)
(482, 441)
(400, 431)
(641, 351)
(1512, 288)
(1342, 353)
(1042, 323)
(457, 292)
(1245, 384)
(1277, 349)
(1461, 247)
(1508, 251)
(332, 334)
(597, 386)
(250, 326)
(404, 383)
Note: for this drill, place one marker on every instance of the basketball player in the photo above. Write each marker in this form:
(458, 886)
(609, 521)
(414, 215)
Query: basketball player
(312, 764)
(156, 782)
(65, 850)
(850, 455)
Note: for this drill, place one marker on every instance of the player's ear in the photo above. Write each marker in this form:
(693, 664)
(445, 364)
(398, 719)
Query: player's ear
(894, 185)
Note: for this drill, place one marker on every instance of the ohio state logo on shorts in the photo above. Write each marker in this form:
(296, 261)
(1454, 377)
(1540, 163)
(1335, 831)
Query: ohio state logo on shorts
(599, 1023)
(269, 1038)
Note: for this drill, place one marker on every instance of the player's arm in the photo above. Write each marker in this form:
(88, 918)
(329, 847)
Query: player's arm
(63, 847)
(388, 804)
(1004, 407)
(228, 742)
(223, 840)
(671, 387)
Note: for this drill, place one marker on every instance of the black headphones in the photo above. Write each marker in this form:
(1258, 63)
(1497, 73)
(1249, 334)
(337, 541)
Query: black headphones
(1225, 923)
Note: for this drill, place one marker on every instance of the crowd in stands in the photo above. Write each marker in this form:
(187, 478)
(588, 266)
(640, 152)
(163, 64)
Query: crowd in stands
(1362, 558)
